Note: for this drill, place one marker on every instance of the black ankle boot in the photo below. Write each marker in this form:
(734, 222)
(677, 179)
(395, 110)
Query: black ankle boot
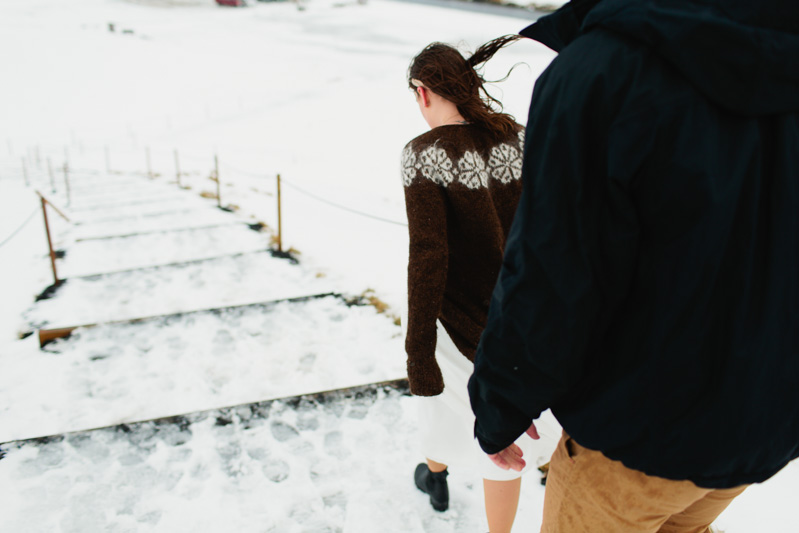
(434, 484)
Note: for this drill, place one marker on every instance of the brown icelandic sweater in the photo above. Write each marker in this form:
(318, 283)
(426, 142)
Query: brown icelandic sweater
(461, 191)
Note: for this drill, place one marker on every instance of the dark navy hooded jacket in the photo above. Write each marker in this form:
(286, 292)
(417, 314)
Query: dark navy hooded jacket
(649, 293)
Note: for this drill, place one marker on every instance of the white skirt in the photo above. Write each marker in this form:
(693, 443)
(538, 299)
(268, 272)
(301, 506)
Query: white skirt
(446, 422)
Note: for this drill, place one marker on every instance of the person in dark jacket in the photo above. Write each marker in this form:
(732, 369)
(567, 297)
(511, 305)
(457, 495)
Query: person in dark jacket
(649, 293)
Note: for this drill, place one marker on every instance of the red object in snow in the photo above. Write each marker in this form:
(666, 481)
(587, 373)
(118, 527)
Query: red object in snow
(233, 3)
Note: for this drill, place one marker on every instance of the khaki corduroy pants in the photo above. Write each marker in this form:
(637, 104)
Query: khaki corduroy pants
(588, 493)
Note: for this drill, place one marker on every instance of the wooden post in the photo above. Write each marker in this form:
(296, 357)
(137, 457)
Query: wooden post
(218, 187)
(66, 181)
(66, 154)
(49, 242)
(25, 172)
(149, 167)
(279, 219)
(47, 335)
(54, 208)
(107, 160)
(52, 177)
(177, 167)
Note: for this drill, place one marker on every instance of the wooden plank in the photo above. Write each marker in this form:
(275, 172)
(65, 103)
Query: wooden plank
(223, 414)
(49, 335)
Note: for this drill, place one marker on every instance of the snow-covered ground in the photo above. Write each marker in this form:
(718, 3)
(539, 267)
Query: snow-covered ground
(179, 364)
(186, 255)
(239, 326)
(317, 95)
(320, 464)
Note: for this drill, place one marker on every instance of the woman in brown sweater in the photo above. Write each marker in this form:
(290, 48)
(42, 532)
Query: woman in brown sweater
(462, 184)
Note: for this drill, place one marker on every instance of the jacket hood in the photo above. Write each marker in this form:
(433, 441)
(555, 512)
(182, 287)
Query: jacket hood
(742, 54)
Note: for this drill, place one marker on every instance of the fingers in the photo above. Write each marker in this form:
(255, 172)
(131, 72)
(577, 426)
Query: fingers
(513, 451)
(532, 432)
(513, 456)
(509, 459)
(515, 463)
(499, 461)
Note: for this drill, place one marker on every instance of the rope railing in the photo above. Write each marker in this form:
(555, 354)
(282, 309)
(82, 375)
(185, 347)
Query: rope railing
(40, 178)
(316, 197)
(253, 174)
(339, 206)
(16, 231)
(225, 166)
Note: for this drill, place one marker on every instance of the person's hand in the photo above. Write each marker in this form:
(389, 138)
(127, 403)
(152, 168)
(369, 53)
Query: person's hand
(511, 457)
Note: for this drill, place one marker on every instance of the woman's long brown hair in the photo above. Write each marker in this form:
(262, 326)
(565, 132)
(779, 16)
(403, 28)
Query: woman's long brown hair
(443, 70)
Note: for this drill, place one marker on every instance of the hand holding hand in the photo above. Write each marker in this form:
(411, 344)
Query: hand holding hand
(511, 457)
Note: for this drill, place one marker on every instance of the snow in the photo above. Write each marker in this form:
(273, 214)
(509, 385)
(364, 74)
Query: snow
(207, 81)
(118, 373)
(25, 270)
(317, 96)
(340, 464)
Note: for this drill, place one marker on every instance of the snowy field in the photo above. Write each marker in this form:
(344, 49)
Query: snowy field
(314, 91)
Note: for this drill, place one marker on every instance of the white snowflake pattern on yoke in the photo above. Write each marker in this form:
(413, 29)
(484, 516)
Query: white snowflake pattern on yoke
(505, 163)
(436, 165)
(472, 170)
(409, 166)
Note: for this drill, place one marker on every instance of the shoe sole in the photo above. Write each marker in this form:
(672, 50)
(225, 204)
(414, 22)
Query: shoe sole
(440, 507)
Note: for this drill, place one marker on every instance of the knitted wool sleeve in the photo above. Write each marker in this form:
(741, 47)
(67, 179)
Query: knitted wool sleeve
(425, 202)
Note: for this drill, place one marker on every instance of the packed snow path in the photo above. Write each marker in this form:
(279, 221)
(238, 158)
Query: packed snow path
(207, 332)
(226, 281)
(325, 463)
(179, 364)
(138, 248)
(119, 230)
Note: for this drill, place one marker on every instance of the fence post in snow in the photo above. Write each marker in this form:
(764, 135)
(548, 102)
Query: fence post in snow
(279, 219)
(177, 167)
(218, 187)
(66, 181)
(25, 172)
(52, 177)
(49, 241)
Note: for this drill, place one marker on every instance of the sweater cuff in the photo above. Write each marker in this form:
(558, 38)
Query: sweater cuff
(424, 377)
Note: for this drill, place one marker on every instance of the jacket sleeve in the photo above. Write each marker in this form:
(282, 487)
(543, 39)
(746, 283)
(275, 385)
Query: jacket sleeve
(568, 261)
(425, 203)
